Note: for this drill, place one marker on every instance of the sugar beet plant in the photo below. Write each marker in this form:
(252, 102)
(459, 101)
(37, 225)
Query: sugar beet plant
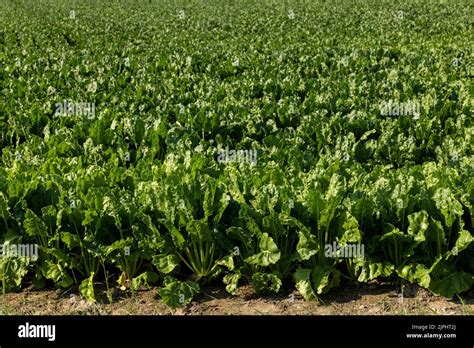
(124, 128)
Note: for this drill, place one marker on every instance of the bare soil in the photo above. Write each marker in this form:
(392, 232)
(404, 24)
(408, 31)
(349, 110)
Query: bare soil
(367, 299)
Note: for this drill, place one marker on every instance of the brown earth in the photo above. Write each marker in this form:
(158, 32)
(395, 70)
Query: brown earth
(367, 299)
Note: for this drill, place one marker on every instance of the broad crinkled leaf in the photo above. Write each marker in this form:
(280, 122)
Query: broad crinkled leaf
(269, 253)
(453, 284)
(369, 270)
(264, 282)
(178, 294)
(227, 261)
(302, 278)
(416, 274)
(231, 280)
(324, 278)
(199, 230)
(143, 280)
(307, 246)
(465, 239)
(12, 271)
(449, 206)
(56, 273)
(418, 225)
(166, 263)
(34, 226)
(87, 288)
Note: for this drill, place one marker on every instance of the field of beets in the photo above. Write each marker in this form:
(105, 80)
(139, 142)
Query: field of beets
(300, 144)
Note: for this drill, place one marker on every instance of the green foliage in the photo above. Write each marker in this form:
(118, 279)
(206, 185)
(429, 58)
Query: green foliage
(138, 188)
